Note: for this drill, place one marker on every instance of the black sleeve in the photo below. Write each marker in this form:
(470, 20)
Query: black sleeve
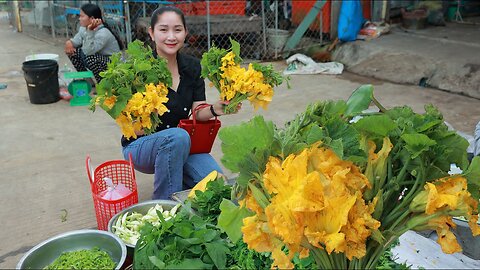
(199, 83)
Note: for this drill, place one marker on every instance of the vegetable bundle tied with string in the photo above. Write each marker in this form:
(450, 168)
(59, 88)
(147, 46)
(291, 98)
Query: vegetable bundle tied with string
(340, 185)
(235, 83)
(134, 91)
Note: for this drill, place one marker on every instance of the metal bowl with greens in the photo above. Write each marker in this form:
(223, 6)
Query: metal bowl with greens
(71, 247)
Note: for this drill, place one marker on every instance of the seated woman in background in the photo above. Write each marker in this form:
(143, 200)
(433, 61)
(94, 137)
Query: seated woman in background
(94, 43)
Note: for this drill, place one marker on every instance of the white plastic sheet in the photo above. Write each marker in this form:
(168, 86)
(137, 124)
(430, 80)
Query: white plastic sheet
(302, 64)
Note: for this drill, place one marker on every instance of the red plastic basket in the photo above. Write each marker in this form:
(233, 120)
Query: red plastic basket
(120, 171)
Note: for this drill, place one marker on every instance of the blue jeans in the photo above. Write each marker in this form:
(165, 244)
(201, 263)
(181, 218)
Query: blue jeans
(166, 154)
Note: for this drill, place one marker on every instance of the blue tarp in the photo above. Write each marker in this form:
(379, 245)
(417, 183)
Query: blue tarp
(350, 20)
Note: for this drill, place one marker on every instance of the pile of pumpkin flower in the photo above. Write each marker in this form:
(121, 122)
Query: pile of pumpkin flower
(235, 83)
(341, 190)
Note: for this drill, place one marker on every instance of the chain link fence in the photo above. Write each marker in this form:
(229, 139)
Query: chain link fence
(262, 27)
(6, 13)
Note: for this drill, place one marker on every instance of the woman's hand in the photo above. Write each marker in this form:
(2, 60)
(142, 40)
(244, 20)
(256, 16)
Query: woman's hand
(94, 23)
(219, 107)
(69, 49)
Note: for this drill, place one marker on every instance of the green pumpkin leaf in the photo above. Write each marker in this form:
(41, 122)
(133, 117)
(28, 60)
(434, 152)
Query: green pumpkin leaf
(241, 140)
(360, 99)
(231, 219)
(379, 125)
(417, 143)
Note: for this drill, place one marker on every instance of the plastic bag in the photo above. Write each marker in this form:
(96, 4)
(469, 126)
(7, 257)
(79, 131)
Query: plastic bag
(114, 192)
(350, 20)
(373, 30)
(302, 64)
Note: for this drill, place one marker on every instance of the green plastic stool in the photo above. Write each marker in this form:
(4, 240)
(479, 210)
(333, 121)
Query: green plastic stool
(79, 88)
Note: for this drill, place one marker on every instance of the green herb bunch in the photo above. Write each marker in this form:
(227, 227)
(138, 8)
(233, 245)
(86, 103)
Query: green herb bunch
(184, 242)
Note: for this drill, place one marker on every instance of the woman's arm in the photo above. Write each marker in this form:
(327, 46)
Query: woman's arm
(77, 40)
(210, 111)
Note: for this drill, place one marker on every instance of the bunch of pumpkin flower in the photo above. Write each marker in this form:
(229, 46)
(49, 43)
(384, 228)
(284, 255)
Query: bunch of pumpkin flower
(143, 110)
(134, 90)
(342, 191)
(235, 83)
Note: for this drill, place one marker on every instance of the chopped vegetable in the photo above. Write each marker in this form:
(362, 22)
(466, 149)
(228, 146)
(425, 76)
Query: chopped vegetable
(83, 259)
(128, 225)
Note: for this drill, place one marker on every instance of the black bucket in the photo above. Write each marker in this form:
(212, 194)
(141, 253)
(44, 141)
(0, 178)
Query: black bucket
(42, 81)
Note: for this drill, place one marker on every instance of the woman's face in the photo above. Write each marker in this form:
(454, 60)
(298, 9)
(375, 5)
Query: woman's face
(84, 19)
(169, 34)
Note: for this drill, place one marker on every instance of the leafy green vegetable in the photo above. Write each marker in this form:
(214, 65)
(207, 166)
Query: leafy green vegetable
(185, 241)
(83, 259)
(387, 260)
(245, 258)
(207, 203)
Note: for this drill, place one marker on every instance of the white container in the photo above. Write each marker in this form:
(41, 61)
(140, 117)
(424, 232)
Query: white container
(277, 38)
(42, 56)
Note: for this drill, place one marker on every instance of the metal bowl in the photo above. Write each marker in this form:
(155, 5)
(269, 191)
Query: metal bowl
(141, 208)
(47, 251)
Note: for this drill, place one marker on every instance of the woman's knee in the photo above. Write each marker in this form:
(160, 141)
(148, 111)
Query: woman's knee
(180, 138)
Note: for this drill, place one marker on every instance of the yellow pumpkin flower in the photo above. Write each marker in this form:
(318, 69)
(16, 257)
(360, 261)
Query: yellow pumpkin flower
(125, 124)
(316, 197)
(359, 228)
(137, 114)
(376, 170)
(256, 235)
(446, 238)
(109, 102)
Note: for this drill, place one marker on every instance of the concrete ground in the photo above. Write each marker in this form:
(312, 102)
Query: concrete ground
(43, 150)
(443, 57)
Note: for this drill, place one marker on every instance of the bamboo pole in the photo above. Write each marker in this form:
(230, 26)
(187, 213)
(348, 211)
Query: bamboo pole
(18, 19)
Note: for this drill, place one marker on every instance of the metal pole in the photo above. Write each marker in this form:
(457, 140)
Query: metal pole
(18, 19)
(52, 21)
(66, 21)
(321, 26)
(276, 25)
(128, 28)
(208, 24)
(144, 9)
(264, 30)
(35, 16)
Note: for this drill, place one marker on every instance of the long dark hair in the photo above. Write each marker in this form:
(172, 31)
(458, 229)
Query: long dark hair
(92, 10)
(159, 11)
